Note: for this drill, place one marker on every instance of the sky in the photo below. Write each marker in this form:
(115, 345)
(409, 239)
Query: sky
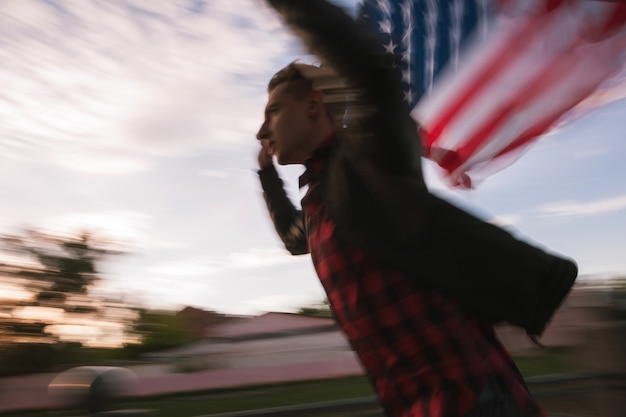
(137, 120)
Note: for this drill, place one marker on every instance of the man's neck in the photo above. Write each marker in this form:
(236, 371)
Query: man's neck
(321, 138)
(321, 146)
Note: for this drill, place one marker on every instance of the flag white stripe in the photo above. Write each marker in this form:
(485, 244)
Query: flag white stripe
(430, 43)
(456, 9)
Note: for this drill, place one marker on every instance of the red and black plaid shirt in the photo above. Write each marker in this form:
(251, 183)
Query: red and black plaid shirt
(425, 355)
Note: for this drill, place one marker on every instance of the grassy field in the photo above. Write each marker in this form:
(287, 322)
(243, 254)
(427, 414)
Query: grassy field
(260, 397)
(266, 396)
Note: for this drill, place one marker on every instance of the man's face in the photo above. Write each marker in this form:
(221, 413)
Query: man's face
(287, 126)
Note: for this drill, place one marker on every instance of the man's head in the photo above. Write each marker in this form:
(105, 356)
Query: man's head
(296, 118)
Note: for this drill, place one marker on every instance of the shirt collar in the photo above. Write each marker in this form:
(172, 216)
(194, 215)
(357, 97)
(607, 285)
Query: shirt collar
(315, 164)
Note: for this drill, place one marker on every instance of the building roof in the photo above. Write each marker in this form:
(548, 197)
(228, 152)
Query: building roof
(271, 324)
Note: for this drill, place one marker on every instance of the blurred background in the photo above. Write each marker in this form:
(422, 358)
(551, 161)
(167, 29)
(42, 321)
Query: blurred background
(134, 234)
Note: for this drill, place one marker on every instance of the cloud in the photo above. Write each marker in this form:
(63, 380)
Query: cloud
(90, 162)
(592, 208)
(506, 220)
(259, 258)
(124, 225)
(592, 153)
(105, 88)
(277, 303)
(252, 259)
(168, 244)
(215, 173)
(188, 267)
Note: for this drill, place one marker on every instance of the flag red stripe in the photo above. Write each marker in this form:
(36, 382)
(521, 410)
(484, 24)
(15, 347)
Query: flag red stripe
(547, 89)
(541, 84)
(613, 24)
(500, 60)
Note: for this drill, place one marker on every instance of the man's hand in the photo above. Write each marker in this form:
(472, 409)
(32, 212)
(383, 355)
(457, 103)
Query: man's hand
(265, 157)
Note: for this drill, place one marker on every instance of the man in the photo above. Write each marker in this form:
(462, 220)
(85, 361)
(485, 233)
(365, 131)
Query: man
(415, 283)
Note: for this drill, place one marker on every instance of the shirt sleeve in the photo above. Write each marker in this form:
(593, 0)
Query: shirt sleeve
(288, 221)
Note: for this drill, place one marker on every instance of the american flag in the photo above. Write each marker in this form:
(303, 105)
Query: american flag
(485, 78)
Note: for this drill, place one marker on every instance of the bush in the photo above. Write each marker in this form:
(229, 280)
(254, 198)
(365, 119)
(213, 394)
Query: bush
(24, 358)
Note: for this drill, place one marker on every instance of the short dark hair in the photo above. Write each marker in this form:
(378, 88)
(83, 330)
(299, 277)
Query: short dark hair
(301, 79)
(297, 84)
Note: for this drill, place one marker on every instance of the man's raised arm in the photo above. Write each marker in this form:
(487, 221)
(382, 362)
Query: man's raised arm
(338, 41)
(357, 56)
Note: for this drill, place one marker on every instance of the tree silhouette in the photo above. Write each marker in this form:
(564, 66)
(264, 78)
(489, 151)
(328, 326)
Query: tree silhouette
(321, 309)
(56, 269)
(53, 273)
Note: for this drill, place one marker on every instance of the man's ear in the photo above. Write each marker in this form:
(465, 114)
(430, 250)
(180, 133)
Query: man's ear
(316, 104)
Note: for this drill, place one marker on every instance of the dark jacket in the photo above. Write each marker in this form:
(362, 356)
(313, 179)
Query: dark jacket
(374, 190)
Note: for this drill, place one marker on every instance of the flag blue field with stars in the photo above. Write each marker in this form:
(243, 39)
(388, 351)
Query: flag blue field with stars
(425, 35)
